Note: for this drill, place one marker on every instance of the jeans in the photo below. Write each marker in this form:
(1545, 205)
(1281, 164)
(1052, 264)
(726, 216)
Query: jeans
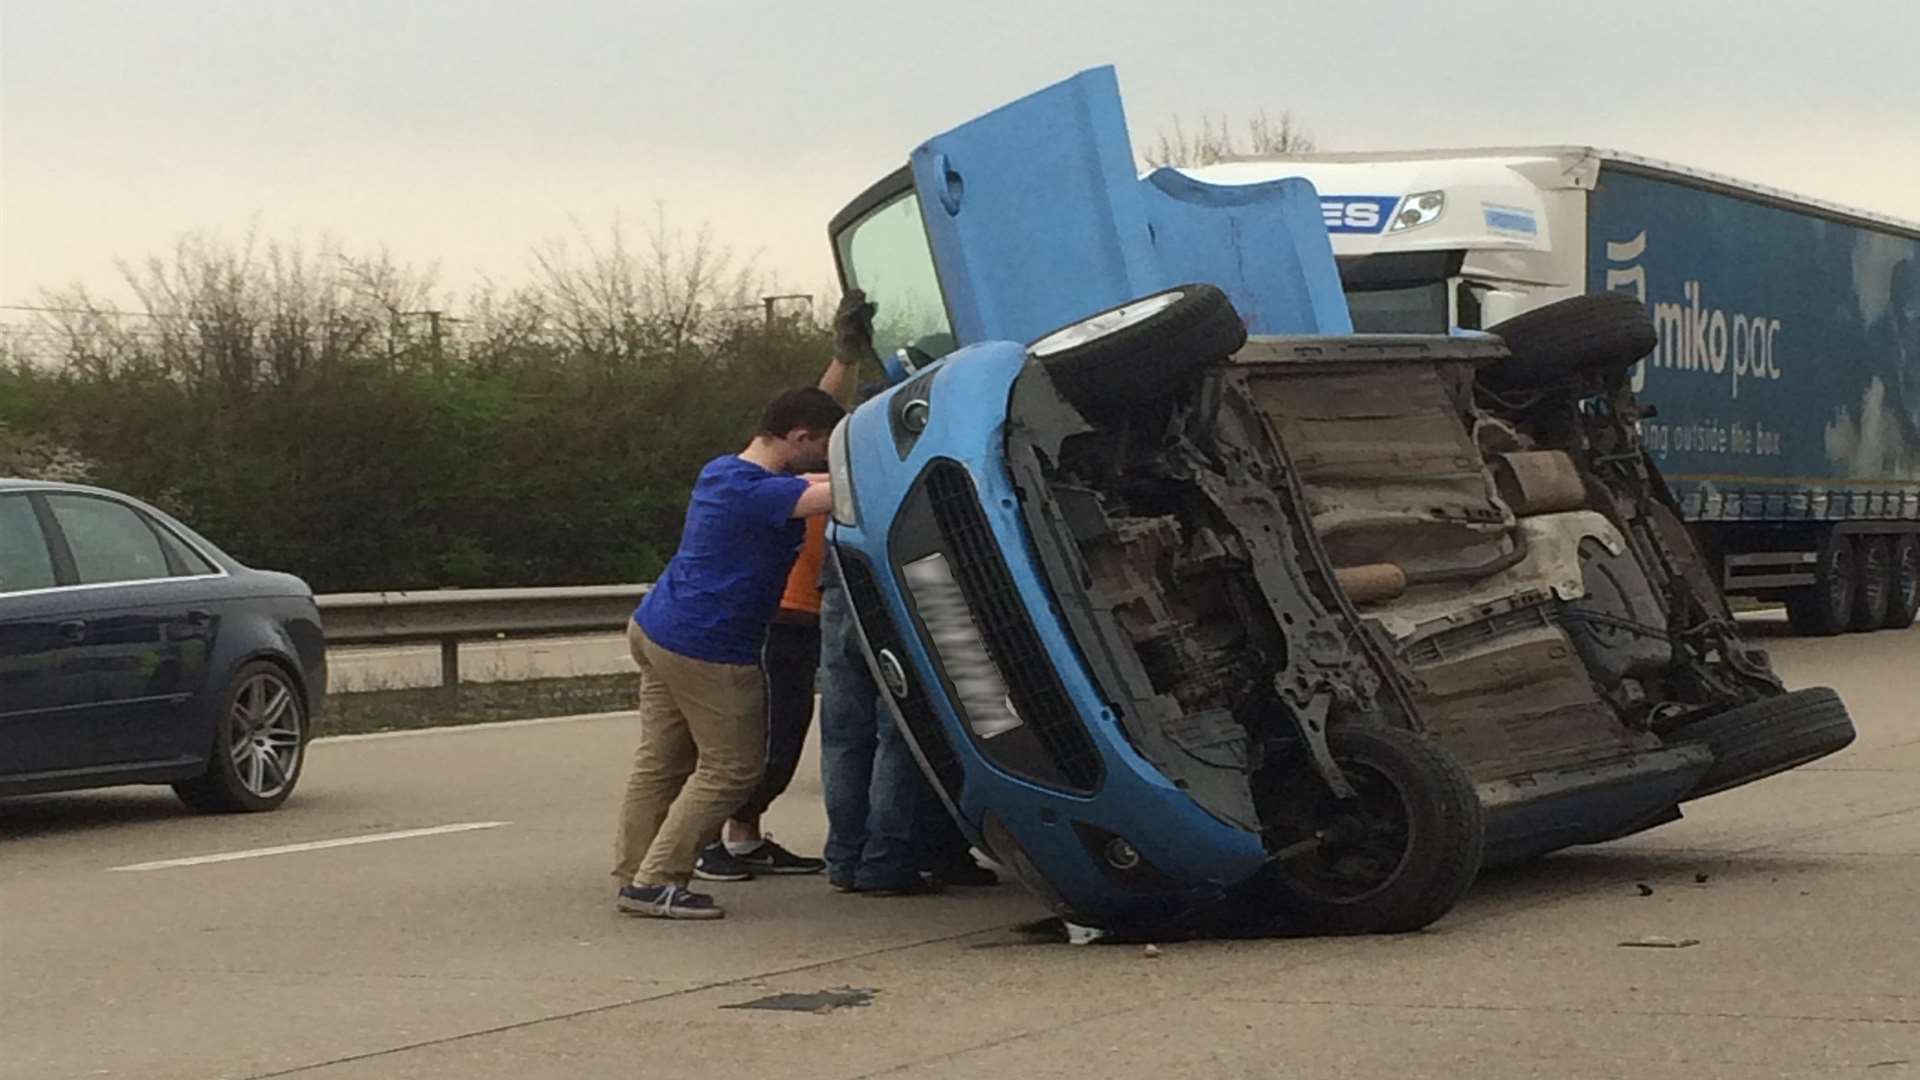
(873, 786)
(790, 660)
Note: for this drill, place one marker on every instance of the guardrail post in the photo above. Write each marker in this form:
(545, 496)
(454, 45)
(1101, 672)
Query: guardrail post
(450, 666)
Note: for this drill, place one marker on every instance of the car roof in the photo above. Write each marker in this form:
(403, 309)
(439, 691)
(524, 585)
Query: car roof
(8, 483)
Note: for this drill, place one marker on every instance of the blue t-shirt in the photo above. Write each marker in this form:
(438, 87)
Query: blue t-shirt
(720, 590)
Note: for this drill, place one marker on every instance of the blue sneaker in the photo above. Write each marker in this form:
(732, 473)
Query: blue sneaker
(668, 902)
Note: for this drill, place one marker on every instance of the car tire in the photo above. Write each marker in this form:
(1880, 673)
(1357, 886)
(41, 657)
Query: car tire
(1767, 737)
(1903, 595)
(1142, 351)
(1874, 583)
(1598, 332)
(1826, 607)
(1408, 786)
(259, 744)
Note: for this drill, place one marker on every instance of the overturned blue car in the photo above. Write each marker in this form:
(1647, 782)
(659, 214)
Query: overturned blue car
(1195, 605)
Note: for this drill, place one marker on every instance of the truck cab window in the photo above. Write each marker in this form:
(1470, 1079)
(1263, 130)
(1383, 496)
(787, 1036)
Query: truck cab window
(885, 252)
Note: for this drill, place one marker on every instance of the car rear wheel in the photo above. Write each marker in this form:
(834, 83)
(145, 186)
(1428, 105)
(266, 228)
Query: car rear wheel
(1392, 859)
(258, 746)
(1826, 607)
(1554, 344)
(1903, 596)
(1755, 741)
(1142, 351)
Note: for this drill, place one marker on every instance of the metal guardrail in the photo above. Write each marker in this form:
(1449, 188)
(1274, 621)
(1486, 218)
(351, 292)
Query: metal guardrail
(451, 616)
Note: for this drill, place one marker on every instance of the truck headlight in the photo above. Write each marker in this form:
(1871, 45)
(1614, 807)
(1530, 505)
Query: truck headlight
(841, 476)
(1418, 210)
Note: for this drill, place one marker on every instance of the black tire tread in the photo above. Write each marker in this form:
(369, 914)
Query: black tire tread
(1755, 741)
(1453, 823)
(1149, 361)
(1549, 345)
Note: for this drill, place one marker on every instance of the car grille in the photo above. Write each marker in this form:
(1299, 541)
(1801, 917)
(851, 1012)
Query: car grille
(1032, 683)
(915, 710)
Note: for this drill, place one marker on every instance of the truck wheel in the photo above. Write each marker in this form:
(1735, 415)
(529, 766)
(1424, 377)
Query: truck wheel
(1755, 741)
(1875, 586)
(1826, 607)
(1141, 351)
(1903, 596)
(1394, 858)
(1553, 344)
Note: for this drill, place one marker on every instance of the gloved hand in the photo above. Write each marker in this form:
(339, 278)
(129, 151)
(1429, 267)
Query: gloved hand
(853, 329)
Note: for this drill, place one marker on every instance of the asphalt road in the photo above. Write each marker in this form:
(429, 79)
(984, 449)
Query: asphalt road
(489, 946)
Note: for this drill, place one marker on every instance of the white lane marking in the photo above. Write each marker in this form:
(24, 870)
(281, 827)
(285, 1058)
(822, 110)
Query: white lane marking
(456, 729)
(313, 845)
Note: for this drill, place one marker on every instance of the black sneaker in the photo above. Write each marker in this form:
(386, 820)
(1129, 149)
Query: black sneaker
(916, 884)
(965, 874)
(771, 858)
(668, 902)
(841, 884)
(716, 863)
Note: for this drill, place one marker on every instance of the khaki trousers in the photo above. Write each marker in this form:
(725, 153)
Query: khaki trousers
(703, 746)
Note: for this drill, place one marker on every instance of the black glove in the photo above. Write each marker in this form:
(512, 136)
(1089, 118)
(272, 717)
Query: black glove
(853, 329)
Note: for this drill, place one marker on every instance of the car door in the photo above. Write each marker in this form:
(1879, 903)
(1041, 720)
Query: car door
(146, 623)
(44, 678)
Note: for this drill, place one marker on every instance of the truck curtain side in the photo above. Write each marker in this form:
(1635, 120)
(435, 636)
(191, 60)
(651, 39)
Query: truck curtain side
(1787, 377)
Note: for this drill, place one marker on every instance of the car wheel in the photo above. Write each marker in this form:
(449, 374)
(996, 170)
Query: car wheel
(1142, 351)
(1767, 737)
(1826, 608)
(1903, 594)
(1875, 583)
(1392, 859)
(258, 746)
(1555, 343)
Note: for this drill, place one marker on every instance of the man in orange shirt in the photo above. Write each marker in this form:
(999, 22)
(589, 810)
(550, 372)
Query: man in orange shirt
(788, 663)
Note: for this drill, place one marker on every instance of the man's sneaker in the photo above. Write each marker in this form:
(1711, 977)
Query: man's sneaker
(916, 884)
(965, 874)
(668, 902)
(842, 883)
(716, 863)
(771, 858)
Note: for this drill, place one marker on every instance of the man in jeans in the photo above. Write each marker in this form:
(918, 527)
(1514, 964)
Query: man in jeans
(887, 832)
(697, 639)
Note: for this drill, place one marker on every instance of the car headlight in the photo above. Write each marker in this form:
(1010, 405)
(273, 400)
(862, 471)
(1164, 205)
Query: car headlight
(1418, 210)
(841, 476)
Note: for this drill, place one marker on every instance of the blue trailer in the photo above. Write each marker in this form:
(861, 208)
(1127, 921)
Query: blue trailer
(1787, 377)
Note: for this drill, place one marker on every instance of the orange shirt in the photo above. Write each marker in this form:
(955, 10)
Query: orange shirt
(803, 584)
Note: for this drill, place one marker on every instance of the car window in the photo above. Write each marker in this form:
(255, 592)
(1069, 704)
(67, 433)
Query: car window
(25, 562)
(110, 541)
(187, 561)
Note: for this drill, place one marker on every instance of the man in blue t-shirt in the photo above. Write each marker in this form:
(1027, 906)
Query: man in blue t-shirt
(696, 637)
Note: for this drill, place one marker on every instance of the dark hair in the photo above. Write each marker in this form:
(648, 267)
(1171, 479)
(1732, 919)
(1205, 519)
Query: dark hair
(806, 407)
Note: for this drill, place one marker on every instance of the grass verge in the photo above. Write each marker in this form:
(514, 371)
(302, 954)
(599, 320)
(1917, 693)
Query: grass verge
(366, 711)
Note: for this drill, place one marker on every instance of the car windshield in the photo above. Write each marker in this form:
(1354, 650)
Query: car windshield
(884, 251)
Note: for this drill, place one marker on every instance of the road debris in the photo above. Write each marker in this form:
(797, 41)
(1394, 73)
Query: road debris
(1657, 942)
(819, 1001)
(1151, 952)
(1645, 889)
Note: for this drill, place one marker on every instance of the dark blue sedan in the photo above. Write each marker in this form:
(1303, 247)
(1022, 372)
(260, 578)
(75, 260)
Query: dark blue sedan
(132, 651)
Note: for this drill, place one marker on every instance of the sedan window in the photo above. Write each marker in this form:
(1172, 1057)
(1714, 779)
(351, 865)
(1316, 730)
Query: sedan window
(110, 541)
(25, 562)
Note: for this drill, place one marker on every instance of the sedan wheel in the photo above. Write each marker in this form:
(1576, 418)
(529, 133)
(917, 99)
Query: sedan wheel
(258, 747)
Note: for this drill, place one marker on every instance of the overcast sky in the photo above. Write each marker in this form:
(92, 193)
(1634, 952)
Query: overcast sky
(464, 133)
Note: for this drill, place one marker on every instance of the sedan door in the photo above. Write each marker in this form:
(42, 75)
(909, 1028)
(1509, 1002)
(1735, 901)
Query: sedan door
(147, 623)
(45, 682)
